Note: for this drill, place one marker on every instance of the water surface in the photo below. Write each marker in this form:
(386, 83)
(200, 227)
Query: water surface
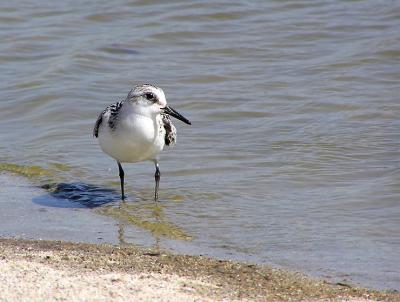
(293, 158)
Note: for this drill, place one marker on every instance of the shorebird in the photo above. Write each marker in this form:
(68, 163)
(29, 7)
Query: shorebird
(137, 129)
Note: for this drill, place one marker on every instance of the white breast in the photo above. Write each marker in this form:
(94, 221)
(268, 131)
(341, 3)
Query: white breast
(135, 138)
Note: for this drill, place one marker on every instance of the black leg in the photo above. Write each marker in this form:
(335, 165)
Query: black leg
(157, 177)
(121, 177)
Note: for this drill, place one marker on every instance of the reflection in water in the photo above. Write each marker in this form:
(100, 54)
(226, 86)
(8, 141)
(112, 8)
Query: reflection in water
(122, 225)
(150, 217)
(121, 233)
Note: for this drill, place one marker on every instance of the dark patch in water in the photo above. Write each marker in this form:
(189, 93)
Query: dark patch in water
(119, 49)
(79, 195)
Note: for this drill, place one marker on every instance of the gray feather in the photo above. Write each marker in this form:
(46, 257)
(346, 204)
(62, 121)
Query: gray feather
(170, 130)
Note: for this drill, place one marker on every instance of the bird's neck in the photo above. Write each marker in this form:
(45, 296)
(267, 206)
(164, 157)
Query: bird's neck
(134, 109)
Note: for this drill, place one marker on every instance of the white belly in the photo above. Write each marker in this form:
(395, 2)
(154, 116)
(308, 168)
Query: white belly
(135, 139)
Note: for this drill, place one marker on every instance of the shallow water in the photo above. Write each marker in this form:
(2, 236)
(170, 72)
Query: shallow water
(293, 158)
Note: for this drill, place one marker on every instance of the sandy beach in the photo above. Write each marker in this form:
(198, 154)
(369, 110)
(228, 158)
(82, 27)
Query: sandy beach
(61, 271)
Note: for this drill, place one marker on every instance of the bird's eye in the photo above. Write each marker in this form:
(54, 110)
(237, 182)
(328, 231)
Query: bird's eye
(150, 96)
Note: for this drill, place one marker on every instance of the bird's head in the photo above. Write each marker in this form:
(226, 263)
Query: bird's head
(150, 101)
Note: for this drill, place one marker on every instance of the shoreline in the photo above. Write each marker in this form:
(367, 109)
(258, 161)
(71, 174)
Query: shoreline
(56, 270)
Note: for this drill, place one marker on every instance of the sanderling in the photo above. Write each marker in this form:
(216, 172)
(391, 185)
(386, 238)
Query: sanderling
(137, 129)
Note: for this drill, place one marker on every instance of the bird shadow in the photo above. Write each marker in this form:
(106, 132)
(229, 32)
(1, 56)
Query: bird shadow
(76, 195)
(107, 202)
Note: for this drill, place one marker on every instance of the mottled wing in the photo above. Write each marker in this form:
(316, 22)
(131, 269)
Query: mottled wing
(97, 125)
(113, 110)
(170, 130)
(110, 113)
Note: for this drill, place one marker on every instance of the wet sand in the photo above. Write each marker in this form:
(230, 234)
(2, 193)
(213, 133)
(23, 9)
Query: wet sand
(61, 271)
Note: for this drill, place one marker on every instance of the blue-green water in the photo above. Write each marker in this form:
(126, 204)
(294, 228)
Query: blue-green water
(293, 158)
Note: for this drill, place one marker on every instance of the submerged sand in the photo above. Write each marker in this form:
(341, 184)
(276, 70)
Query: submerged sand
(61, 271)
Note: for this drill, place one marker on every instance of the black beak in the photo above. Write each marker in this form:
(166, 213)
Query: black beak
(172, 112)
